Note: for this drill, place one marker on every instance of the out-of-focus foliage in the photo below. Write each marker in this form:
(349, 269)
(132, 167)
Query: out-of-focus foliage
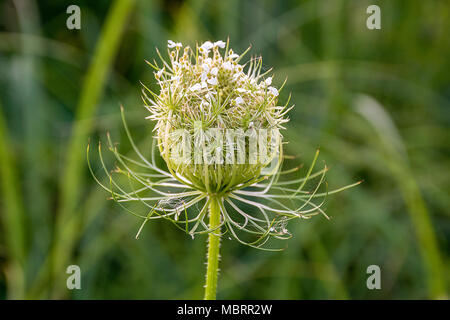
(375, 101)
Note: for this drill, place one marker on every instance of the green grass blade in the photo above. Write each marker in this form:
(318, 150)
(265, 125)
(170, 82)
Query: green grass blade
(397, 162)
(13, 216)
(91, 91)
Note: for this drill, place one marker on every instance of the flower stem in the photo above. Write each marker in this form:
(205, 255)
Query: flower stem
(212, 268)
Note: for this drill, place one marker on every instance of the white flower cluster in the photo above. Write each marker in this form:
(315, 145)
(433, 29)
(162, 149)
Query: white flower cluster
(209, 85)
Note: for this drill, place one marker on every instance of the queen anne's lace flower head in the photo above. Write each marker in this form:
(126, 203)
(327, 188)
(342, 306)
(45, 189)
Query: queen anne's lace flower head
(207, 89)
(217, 126)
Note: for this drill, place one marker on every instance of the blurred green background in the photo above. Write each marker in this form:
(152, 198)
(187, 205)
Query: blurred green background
(375, 101)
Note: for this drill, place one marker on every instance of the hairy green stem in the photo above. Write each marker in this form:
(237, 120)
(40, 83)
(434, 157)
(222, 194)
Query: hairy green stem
(212, 268)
